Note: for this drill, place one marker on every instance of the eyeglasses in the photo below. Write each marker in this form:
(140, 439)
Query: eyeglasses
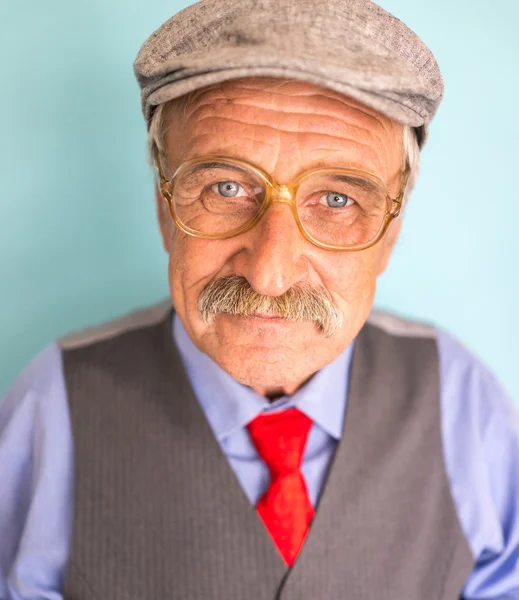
(218, 197)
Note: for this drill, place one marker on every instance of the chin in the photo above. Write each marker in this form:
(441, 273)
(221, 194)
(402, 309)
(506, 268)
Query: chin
(260, 375)
(272, 367)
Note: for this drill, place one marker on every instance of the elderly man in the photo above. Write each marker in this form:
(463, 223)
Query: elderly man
(269, 437)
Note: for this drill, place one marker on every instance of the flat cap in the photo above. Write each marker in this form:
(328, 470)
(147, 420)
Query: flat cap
(352, 46)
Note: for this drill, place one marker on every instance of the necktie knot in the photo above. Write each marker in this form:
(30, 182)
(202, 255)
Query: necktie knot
(280, 439)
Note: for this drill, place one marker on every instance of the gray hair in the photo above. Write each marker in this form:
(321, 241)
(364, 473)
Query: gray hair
(411, 158)
(157, 132)
(159, 126)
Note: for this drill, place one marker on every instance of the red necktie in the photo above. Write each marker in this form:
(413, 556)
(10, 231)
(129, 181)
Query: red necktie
(285, 507)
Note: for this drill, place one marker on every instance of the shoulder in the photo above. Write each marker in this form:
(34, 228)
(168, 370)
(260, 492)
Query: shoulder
(131, 322)
(474, 406)
(33, 410)
(397, 326)
(401, 351)
(33, 391)
(480, 422)
(462, 374)
(469, 388)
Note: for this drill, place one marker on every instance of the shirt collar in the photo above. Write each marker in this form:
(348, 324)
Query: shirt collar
(229, 405)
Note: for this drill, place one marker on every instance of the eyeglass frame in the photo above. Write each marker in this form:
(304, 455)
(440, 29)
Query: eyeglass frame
(284, 193)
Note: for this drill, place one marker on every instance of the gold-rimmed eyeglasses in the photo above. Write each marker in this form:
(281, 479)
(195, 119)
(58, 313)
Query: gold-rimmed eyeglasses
(219, 197)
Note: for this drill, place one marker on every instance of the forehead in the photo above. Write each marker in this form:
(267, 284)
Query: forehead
(283, 126)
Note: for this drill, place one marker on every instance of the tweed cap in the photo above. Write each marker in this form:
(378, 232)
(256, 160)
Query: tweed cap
(351, 46)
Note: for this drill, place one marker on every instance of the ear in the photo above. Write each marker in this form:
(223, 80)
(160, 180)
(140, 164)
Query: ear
(164, 219)
(387, 244)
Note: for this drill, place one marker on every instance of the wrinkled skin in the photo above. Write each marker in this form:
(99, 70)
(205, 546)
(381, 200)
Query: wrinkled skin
(285, 127)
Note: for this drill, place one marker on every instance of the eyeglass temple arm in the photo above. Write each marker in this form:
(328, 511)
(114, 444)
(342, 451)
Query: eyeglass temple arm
(400, 198)
(407, 174)
(158, 166)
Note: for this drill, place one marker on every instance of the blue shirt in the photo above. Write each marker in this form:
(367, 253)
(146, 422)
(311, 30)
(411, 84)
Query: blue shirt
(480, 430)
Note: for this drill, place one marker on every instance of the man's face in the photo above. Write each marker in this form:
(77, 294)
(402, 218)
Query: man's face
(285, 128)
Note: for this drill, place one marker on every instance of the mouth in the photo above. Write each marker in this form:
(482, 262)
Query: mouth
(264, 317)
(268, 316)
(269, 319)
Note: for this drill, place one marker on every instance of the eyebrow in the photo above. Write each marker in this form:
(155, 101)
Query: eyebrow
(364, 184)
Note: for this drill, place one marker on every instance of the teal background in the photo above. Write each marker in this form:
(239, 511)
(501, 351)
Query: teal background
(78, 237)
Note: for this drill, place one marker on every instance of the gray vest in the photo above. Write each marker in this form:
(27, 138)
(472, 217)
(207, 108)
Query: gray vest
(160, 515)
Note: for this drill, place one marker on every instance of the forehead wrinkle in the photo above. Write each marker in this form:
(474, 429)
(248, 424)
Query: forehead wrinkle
(293, 123)
(362, 115)
(207, 140)
(195, 100)
(220, 99)
(254, 131)
(234, 90)
(272, 129)
(332, 107)
(382, 134)
(248, 146)
(267, 157)
(305, 96)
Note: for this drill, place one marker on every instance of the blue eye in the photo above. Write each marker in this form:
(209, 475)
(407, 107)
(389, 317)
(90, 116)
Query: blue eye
(335, 200)
(229, 189)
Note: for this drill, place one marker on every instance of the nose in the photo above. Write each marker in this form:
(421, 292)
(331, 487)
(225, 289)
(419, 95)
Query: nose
(273, 259)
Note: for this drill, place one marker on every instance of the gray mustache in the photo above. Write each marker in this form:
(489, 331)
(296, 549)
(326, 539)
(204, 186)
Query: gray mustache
(234, 295)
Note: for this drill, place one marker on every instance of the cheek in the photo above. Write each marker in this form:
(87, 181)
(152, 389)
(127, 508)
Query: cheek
(351, 277)
(193, 262)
